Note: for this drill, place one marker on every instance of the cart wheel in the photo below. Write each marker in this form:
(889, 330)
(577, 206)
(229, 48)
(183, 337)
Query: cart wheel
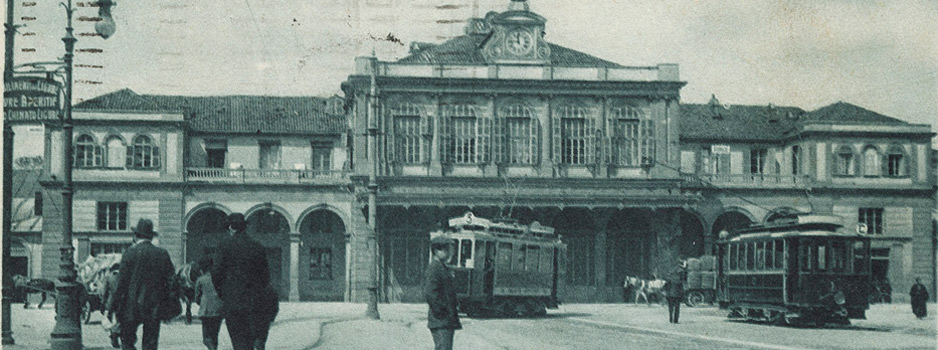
(694, 298)
(86, 312)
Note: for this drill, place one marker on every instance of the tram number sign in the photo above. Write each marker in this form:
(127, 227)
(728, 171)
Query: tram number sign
(720, 149)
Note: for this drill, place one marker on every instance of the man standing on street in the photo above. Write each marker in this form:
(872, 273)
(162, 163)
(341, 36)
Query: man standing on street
(242, 280)
(143, 284)
(674, 288)
(440, 292)
(919, 296)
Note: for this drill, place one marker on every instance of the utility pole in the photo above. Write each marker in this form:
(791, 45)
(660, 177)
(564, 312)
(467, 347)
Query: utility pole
(7, 332)
(372, 236)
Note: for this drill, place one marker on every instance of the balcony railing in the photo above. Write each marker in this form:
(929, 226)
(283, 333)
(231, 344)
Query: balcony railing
(747, 180)
(262, 176)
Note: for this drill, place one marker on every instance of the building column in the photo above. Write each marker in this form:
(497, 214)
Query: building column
(294, 267)
(436, 167)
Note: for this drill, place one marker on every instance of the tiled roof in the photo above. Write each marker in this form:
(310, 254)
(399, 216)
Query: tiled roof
(845, 113)
(736, 122)
(466, 49)
(231, 114)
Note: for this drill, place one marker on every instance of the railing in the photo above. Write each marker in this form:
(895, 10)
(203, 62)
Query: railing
(264, 175)
(661, 72)
(747, 180)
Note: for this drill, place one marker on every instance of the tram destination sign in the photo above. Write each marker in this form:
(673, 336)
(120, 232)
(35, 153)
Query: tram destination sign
(30, 99)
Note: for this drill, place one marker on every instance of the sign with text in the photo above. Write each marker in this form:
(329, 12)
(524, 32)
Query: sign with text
(31, 99)
(720, 149)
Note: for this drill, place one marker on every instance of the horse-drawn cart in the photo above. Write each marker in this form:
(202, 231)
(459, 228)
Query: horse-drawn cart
(701, 284)
(92, 274)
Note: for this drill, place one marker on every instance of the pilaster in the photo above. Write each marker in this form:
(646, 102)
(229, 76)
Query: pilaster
(294, 267)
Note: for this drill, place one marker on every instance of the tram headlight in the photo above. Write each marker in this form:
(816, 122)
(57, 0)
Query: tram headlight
(839, 298)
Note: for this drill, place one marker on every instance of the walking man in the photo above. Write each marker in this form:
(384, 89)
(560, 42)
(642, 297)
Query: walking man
(242, 280)
(674, 289)
(209, 305)
(440, 292)
(143, 285)
(919, 296)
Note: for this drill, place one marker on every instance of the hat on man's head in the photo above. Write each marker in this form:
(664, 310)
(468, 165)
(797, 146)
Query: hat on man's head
(236, 221)
(440, 241)
(144, 229)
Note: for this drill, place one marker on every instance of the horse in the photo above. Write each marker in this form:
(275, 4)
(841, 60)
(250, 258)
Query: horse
(185, 280)
(644, 288)
(25, 286)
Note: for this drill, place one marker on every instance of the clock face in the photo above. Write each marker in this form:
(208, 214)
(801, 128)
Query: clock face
(519, 42)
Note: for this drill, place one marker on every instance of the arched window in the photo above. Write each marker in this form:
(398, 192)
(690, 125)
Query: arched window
(871, 165)
(466, 134)
(116, 152)
(517, 135)
(406, 143)
(143, 154)
(845, 164)
(895, 162)
(574, 136)
(87, 153)
(633, 137)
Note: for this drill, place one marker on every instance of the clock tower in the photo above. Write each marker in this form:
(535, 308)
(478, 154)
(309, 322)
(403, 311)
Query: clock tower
(517, 37)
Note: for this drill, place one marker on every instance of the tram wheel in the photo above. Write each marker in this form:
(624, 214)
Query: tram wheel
(86, 312)
(694, 298)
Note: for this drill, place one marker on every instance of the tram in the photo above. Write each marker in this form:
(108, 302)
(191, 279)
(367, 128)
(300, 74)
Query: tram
(802, 269)
(503, 268)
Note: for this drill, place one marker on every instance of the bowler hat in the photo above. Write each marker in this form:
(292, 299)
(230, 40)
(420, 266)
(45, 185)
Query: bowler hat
(144, 228)
(236, 221)
(440, 241)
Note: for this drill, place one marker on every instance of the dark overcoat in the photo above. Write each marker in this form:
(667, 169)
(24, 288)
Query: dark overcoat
(674, 287)
(919, 296)
(440, 292)
(143, 282)
(241, 276)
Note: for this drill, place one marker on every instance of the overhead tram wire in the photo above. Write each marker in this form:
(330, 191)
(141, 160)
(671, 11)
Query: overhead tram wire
(712, 185)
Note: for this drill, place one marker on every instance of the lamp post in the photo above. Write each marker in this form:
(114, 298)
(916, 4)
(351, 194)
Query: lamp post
(372, 237)
(7, 332)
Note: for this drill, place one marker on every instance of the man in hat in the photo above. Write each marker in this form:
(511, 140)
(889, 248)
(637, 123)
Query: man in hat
(143, 283)
(440, 292)
(242, 281)
(674, 289)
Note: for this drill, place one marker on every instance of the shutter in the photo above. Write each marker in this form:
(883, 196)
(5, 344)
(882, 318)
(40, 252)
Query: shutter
(557, 137)
(608, 124)
(130, 157)
(426, 138)
(390, 121)
(445, 144)
(156, 157)
(484, 137)
(535, 141)
(98, 156)
(884, 164)
(498, 139)
(591, 138)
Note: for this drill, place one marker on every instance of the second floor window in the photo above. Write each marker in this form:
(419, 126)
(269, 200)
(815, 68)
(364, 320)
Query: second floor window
(517, 128)
(633, 137)
(844, 161)
(573, 141)
(322, 156)
(215, 151)
(795, 160)
(757, 159)
(269, 157)
(143, 154)
(873, 218)
(464, 140)
(112, 216)
(87, 153)
(408, 139)
(895, 162)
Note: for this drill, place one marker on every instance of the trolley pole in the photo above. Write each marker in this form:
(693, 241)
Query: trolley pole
(372, 234)
(66, 335)
(10, 32)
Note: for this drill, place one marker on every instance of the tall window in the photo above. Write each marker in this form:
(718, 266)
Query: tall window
(269, 155)
(116, 152)
(322, 156)
(407, 135)
(871, 165)
(895, 162)
(873, 218)
(520, 131)
(795, 160)
(464, 140)
(633, 137)
(87, 153)
(215, 151)
(466, 134)
(144, 154)
(714, 163)
(112, 216)
(757, 159)
(845, 162)
(574, 141)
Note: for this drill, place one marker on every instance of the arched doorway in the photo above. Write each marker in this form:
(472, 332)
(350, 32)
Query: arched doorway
(578, 230)
(692, 235)
(204, 230)
(272, 230)
(628, 246)
(729, 221)
(322, 257)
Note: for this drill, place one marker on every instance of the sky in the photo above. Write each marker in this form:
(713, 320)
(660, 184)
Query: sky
(880, 55)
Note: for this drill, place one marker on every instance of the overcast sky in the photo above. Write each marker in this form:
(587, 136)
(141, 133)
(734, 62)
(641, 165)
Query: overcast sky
(880, 55)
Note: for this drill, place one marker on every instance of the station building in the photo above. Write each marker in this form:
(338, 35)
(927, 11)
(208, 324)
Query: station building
(500, 122)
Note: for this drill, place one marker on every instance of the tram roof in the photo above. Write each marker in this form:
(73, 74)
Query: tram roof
(794, 234)
(796, 226)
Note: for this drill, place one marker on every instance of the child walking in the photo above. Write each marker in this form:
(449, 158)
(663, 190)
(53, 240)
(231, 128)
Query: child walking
(209, 305)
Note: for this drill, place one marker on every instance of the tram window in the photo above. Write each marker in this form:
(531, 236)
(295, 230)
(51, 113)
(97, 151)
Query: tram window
(465, 253)
(489, 255)
(805, 256)
(518, 264)
(859, 258)
(532, 258)
(547, 259)
(733, 256)
(838, 255)
(750, 257)
(760, 255)
(504, 256)
(822, 256)
(779, 254)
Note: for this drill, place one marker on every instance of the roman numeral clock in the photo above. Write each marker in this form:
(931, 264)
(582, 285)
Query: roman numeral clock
(517, 38)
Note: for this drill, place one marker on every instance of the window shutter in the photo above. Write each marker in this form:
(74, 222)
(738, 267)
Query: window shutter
(498, 139)
(557, 138)
(884, 164)
(592, 135)
(535, 141)
(484, 137)
(445, 143)
(156, 157)
(390, 127)
(130, 157)
(98, 156)
(426, 138)
(607, 139)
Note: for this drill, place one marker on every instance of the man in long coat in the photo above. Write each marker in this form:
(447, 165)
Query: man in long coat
(242, 280)
(146, 271)
(440, 291)
(919, 295)
(674, 289)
